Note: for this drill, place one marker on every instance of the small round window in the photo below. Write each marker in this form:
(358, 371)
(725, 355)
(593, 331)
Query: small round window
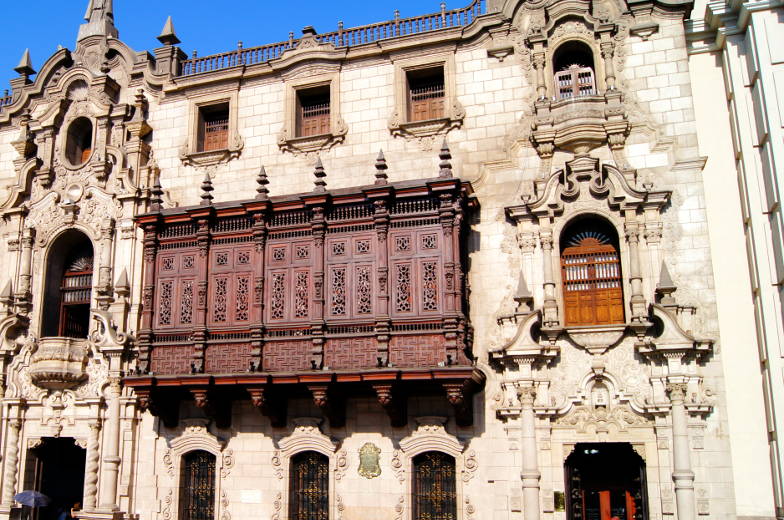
(79, 143)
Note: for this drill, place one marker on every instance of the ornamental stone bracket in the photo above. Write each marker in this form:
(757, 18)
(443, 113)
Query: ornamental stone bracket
(312, 144)
(59, 363)
(597, 339)
(579, 124)
(201, 159)
(426, 131)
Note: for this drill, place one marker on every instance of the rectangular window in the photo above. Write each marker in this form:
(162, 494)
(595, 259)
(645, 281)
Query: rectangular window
(313, 111)
(213, 128)
(425, 93)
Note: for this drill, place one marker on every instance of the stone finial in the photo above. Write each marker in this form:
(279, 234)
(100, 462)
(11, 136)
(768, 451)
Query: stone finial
(381, 168)
(7, 295)
(206, 188)
(100, 20)
(122, 287)
(666, 286)
(156, 199)
(320, 175)
(445, 166)
(262, 193)
(523, 295)
(168, 36)
(25, 67)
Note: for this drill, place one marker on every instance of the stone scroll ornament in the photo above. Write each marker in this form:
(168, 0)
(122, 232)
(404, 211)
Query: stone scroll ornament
(369, 466)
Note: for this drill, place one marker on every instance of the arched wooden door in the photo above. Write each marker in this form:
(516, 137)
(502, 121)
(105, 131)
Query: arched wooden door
(592, 285)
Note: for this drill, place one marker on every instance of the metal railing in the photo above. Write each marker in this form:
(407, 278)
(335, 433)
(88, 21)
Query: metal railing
(350, 37)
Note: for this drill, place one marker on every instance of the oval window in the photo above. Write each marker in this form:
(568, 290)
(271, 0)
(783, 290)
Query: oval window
(79, 143)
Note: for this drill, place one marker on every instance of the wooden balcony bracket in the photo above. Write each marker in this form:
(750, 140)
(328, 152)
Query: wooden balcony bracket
(394, 403)
(331, 403)
(272, 405)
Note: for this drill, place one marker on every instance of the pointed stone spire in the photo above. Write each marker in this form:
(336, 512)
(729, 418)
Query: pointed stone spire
(100, 20)
(206, 188)
(666, 286)
(122, 287)
(523, 295)
(320, 175)
(7, 295)
(168, 36)
(445, 166)
(25, 67)
(381, 168)
(156, 201)
(262, 193)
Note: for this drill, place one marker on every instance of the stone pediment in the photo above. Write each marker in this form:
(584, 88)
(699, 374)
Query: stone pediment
(520, 339)
(585, 178)
(670, 342)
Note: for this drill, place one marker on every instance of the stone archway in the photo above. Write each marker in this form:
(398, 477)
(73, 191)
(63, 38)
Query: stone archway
(605, 481)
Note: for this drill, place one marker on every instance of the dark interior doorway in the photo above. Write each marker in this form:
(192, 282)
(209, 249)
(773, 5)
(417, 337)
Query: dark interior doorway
(605, 481)
(56, 469)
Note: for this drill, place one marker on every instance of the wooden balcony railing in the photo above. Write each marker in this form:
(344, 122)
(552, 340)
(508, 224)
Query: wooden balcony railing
(359, 286)
(350, 37)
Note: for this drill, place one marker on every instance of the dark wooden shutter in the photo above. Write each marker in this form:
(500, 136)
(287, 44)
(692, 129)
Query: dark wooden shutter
(309, 487)
(435, 494)
(591, 274)
(75, 290)
(426, 99)
(574, 82)
(197, 491)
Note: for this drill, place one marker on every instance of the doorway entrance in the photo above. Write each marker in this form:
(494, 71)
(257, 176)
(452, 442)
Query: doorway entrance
(605, 481)
(56, 469)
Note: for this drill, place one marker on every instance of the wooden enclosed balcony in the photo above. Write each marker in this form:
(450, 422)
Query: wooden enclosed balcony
(328, 294)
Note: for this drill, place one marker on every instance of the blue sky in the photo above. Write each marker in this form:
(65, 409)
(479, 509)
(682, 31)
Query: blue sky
(205, 25)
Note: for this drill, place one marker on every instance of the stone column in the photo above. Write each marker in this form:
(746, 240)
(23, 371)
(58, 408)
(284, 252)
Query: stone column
(682, 474)
(609, 68)
(91, 468)
(638, 307)
(104, 285)
(530, 473)
(541, 85)
(111, 450)
(11, 461)
(550, 304)
(25, 268)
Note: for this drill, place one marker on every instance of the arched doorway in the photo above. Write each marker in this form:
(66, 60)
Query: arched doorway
(605, 481)
(56, 469)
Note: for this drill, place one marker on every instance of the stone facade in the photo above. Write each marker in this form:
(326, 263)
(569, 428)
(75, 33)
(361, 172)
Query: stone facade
(624, 154)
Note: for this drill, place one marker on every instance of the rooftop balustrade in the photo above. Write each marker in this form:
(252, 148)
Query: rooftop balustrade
(351, 37)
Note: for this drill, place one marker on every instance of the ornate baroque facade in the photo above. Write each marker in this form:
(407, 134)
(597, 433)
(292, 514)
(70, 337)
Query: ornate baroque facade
(222, 301)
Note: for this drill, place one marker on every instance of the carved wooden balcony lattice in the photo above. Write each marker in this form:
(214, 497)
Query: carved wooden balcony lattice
(358, 286)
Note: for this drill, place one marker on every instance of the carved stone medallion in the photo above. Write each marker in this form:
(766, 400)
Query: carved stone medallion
(368, 460)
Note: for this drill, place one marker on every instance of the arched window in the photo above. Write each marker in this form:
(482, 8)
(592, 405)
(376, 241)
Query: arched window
(435, 488)
(197, 489)
(591, 274)
(79, 141)
(309, 486)
(69, 283)
(574, 70)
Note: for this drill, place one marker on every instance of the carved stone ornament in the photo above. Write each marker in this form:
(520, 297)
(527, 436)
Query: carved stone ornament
(587, 419)
(426, 131)
(307, 436)
(369, 466)
(597, 340)
(311, 145)
(195, 435)
(431, 435)
(59, 363)
(341, 464)
(213, 157)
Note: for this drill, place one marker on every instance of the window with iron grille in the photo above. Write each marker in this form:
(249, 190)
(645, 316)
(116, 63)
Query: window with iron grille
(426, 93)
(591, 274)
(434, 487)
(213, 127)
(313, 111)
(197, 490)
(309, 486)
